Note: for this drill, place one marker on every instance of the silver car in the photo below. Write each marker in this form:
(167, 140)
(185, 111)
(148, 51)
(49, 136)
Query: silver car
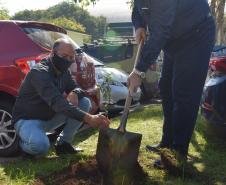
(118, 87)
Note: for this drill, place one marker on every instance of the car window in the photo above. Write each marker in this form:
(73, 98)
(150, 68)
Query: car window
(46, 38)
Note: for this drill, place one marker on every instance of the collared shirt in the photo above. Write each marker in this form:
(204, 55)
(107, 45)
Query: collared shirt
(41, 95)
(166, 21)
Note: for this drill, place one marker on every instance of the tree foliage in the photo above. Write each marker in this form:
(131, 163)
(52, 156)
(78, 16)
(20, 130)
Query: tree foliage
(71, 11)
(67, 23)
(85, 2)
(30, 15)
(4, 14)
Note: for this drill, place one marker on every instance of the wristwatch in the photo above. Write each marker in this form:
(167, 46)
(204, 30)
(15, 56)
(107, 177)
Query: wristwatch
(139, 73)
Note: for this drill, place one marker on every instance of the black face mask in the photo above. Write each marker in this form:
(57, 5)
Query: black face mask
(60, 63)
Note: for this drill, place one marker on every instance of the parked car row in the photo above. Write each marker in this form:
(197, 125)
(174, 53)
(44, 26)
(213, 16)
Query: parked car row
(23, 44)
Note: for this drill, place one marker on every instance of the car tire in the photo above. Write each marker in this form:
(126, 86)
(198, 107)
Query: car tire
(9, 140)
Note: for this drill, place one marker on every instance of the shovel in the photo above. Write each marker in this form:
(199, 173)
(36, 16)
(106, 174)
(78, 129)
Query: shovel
(117, 149)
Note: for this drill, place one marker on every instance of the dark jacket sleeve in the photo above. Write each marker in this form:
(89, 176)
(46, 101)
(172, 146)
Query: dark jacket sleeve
(43, 84)
(162, 15)
(70, 84)
(137, 19)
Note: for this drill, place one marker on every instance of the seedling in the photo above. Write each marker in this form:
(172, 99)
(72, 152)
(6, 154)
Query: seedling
(106, 91)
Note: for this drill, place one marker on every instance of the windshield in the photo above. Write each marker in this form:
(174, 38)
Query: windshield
(46, 38)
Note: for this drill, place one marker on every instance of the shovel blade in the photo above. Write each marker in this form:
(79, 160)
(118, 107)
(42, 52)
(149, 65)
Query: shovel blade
(117, 152)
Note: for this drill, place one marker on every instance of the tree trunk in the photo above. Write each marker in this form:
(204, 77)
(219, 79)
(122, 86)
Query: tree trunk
(220, 21)
(213, 7)
(217, 10)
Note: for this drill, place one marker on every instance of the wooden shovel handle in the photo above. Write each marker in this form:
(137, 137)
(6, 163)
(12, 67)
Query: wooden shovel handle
(122, 126)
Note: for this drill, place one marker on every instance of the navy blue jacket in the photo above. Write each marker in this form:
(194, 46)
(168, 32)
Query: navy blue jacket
(166, 20)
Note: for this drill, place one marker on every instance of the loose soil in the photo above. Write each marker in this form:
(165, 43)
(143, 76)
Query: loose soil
(83, 173)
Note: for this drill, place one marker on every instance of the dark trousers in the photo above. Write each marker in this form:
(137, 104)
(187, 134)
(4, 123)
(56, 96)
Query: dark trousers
(184, 72)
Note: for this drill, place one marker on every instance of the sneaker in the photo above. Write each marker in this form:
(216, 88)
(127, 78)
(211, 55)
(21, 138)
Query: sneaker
(66, 148)
(156, 148)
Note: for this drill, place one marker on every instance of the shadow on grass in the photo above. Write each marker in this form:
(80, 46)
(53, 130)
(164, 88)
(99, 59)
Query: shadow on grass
(142, 114)
(85, 134)
(26, 170)
(207, 165)
(211, 162)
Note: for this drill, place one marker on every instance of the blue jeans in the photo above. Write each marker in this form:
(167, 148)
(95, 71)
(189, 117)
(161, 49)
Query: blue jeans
(32, 133)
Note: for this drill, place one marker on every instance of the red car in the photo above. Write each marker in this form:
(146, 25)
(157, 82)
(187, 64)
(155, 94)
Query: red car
(22, 45)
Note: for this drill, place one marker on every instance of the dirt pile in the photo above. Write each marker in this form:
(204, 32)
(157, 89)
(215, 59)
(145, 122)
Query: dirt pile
(83, 173)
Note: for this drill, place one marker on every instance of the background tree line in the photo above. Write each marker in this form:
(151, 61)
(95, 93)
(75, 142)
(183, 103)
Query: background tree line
(71, 15)
(4, 14)
(217, 9)
(67, 14)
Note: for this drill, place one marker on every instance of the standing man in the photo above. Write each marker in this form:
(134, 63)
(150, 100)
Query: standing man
(41, 106)
(185, 31)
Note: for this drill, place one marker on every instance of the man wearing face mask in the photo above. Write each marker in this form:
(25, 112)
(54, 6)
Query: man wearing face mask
(41, 106)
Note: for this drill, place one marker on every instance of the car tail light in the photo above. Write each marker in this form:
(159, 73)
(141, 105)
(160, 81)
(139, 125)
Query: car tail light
(27, 63)
(207, 106)
(218, 65)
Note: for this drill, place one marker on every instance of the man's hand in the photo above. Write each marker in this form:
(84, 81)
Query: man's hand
(133, 82)
(140, 35)
(73, 98)
(97, 121)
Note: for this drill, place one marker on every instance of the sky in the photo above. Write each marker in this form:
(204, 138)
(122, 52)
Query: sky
(17, 5)
(114, 10)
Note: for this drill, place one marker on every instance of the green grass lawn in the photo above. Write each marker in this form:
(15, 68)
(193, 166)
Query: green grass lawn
(208, 154)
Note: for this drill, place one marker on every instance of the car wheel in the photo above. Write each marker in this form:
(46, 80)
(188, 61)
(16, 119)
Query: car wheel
(9, 141)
